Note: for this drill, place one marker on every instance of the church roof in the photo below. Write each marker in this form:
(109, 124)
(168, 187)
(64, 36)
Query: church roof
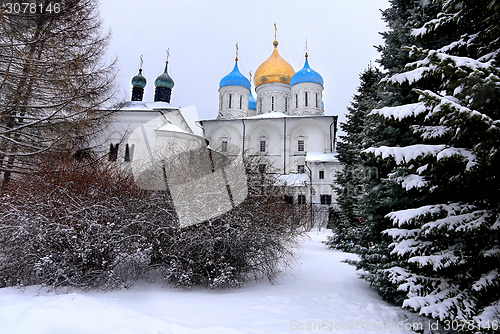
(164, 80)
(252, 104)
(306, 74)
(235, 78)
(139, 80)
(274, 69)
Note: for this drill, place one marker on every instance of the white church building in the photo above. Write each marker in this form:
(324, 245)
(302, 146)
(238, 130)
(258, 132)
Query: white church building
(284, 127)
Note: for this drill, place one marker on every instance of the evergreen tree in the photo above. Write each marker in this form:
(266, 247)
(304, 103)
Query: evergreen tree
(381, 194)
(350, 179)
(445, 245)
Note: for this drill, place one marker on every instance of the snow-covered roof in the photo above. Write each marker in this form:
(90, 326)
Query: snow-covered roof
(292, 180)
(274, 114)
(146, 106)
(171, 128)
(321, 157)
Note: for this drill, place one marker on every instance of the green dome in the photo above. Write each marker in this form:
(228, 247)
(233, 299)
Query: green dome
(139, 80)
(164, 80)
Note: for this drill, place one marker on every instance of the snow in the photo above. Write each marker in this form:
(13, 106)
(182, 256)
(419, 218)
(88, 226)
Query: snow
(454, 151)
(405, 154)
(146, 106)
(169, 127)
(412, 181)
(320, 291)
(293, 179)
(274, 114)
(400, 112)
(321, 157)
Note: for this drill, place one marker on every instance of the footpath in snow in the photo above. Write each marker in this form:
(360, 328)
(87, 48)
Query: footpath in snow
(320, 295)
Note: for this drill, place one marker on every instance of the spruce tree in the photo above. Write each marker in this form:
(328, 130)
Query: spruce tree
(350, 179)
(381, 194)
(444, 246)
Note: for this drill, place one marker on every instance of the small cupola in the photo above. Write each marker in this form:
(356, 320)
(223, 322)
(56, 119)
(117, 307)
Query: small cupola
(138, 84)
(163, 86)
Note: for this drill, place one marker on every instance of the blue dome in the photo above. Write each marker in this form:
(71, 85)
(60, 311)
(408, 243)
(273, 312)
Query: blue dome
(252, 104)
(306, 74)
(235, 78)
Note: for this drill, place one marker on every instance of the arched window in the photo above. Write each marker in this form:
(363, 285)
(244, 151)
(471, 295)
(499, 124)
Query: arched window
(230, 100)
(241, 101)
(296, 100)
(262, 144)
(260, 105)
(272, 103)
(317, 104)
(286, 104)
(306, 99)
(300, 144)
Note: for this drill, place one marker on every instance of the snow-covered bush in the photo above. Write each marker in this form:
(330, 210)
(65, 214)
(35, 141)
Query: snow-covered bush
(87, 225)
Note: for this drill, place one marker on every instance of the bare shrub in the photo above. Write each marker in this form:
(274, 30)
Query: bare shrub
(72, 223)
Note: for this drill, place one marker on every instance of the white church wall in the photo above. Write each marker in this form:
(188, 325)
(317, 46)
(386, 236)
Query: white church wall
(273, 97)
(313, 105)
(233, 102)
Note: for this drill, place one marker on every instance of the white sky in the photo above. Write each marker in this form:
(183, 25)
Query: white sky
(201, 35)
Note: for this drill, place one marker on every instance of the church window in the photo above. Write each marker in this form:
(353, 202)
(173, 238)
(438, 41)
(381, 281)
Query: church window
(113, 152)
(262, 168)
(300, 145)
(301, 169)
(286, 104)
(220, 102)
(301, 199)
(224, 146)
(127, 153)
(321, 174)
(317, 104)
(272, 103)
(230, 100)
(260, 106)
(241, 101)
(325, 199)
(306, 100)
(296, 100)
(262, 146)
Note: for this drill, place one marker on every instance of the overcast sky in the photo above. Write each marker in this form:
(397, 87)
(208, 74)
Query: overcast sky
(201, 36)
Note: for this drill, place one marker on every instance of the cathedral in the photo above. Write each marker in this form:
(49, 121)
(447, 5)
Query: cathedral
(283, 127)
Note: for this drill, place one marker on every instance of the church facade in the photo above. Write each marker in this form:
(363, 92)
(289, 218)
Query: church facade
(284, 128)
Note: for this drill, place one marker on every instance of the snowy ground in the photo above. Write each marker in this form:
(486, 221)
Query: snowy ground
(320, 295)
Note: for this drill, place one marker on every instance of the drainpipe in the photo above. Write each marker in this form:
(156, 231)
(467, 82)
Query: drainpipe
(243, 139)
(284, 145)
(310, 194)
(333, 140)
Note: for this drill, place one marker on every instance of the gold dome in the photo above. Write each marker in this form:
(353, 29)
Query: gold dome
(274, 69)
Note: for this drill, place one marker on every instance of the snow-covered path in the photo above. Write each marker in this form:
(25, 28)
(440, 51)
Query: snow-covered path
(320, 295)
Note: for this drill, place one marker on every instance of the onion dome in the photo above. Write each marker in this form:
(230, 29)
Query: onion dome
(306, 74)
(139, 80)
(252, 104)
(274, 69)
(235, 78)
(164, 80)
